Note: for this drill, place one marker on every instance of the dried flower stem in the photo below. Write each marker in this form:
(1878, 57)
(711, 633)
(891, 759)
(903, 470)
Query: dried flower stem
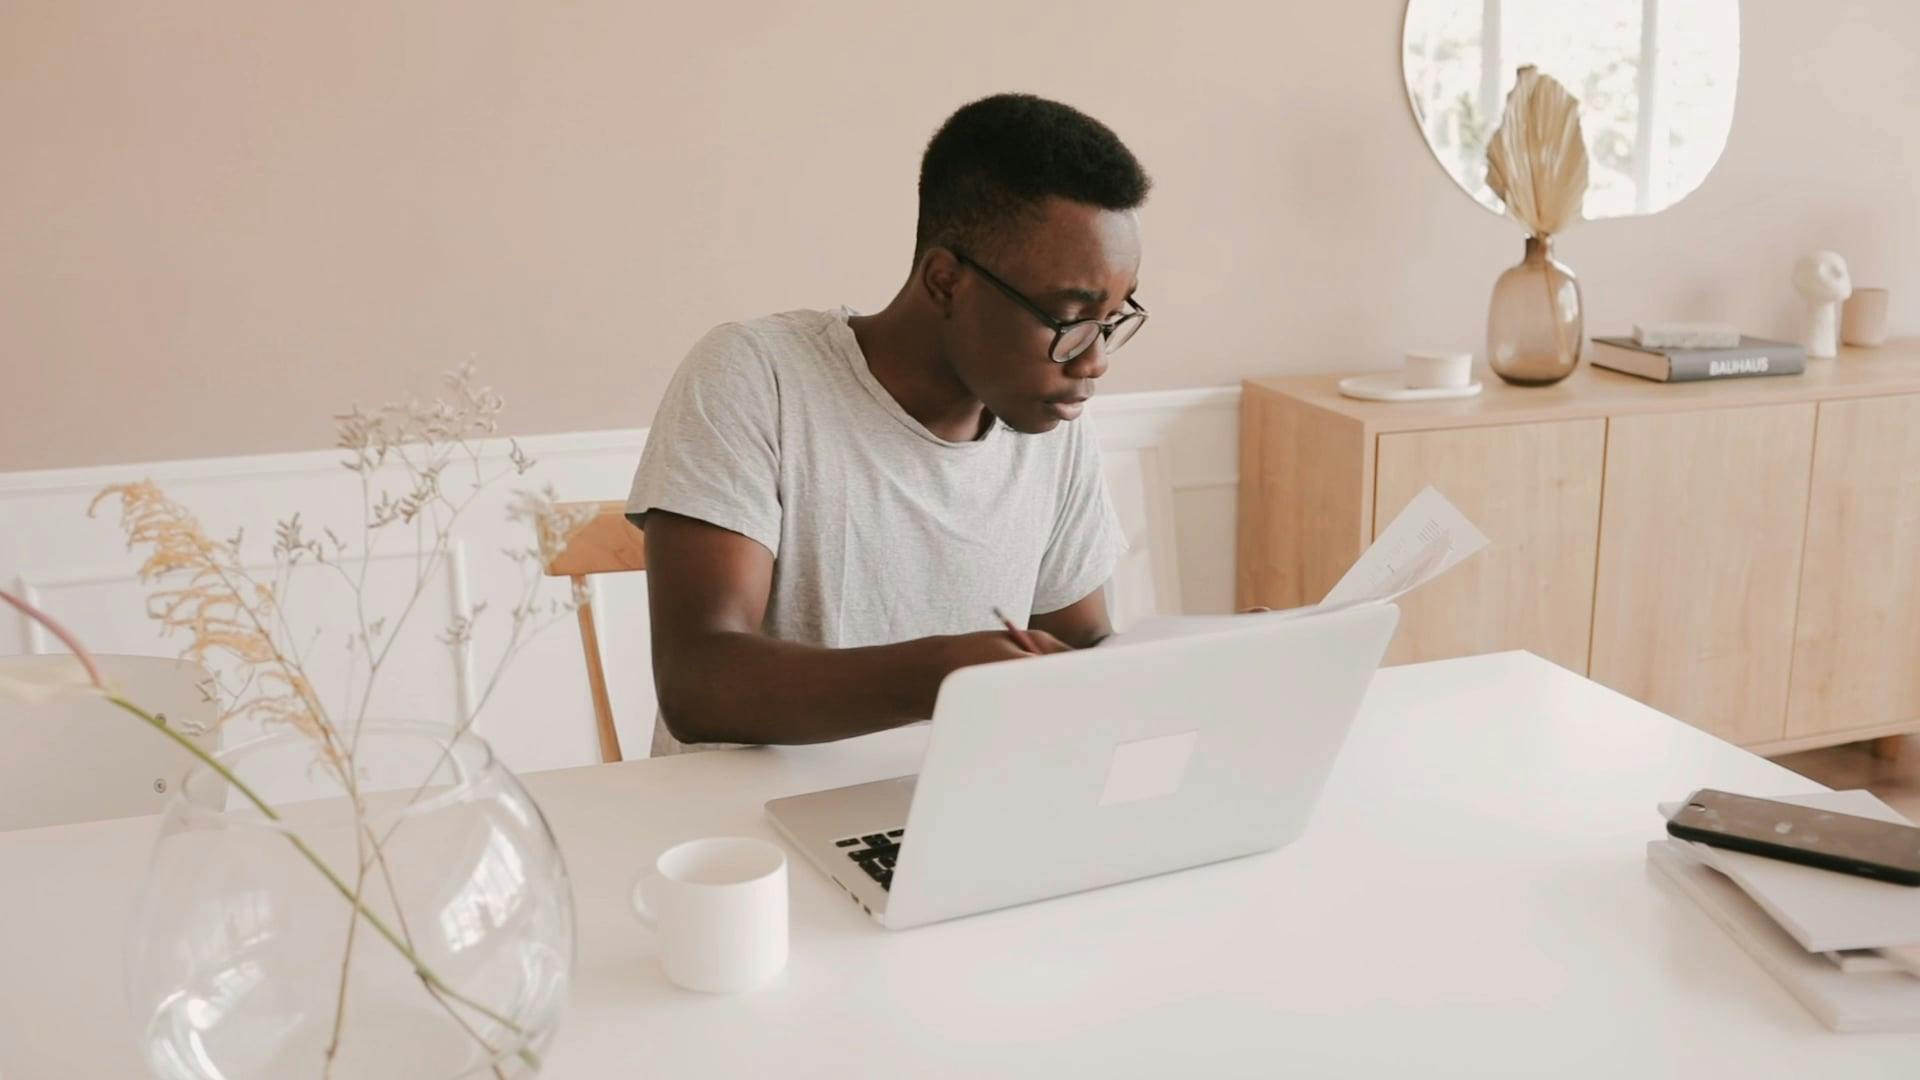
(422, 575)
(198, 546)
(57, 630)
(425, 973)
(400, 916)
(514, 644)
(346, 960)
(229, 612)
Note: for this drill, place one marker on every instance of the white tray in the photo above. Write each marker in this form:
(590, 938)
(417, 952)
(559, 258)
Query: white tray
(1391, 386)
(1843, 1002)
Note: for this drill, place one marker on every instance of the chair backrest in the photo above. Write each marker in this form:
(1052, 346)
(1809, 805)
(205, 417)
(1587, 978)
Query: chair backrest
(607, 544)
(83, 758)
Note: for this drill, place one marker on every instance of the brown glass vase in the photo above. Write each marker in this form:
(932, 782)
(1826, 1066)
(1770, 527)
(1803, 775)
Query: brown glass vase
(1534, 327)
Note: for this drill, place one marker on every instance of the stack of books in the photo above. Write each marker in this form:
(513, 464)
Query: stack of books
(1847, 947)
(1749, 357)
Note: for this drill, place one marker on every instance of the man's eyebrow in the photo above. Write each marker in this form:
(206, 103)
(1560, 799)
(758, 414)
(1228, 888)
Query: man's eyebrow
(1086, 296)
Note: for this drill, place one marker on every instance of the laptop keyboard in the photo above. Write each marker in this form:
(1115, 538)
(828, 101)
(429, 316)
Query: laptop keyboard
(874, 853)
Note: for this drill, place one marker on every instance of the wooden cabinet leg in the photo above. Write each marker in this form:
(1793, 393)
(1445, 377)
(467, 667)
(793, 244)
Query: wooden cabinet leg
(1887, 747)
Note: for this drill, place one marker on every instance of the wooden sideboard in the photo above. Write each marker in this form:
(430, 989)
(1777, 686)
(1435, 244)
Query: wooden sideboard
(1742, 554)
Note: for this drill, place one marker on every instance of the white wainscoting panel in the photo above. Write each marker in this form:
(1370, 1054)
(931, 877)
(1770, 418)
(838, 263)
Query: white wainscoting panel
(1170, 459)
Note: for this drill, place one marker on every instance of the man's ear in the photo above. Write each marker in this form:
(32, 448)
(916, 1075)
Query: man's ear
(938, 276)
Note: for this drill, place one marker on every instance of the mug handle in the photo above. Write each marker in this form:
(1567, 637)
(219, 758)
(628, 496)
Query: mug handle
(640, 909)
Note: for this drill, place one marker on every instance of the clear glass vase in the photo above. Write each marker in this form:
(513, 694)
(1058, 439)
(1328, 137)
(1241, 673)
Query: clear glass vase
(245, 960)
(1534, 324)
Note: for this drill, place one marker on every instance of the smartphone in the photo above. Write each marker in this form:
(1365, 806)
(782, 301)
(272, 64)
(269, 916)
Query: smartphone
(1844, 842)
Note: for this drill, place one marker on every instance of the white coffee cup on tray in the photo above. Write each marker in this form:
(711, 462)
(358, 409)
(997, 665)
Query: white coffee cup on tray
(1437, 369)
(719, 909)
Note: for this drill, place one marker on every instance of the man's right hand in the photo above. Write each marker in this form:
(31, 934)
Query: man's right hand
(992, 646)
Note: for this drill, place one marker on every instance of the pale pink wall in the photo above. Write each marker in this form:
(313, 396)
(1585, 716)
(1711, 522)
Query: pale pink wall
(221, 219)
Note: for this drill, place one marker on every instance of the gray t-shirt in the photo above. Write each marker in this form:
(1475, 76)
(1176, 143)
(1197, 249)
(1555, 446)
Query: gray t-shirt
(880, 530)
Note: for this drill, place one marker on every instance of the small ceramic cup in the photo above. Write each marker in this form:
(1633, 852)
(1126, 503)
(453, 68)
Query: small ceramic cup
(1863, 318)
(1438, 370)
(719, 909)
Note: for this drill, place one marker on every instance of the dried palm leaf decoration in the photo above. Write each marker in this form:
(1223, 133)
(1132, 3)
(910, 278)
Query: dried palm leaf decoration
(1537, 159)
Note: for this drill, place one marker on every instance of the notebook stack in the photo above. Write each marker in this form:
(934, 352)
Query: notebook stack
(1688, 352)
(1848, 948)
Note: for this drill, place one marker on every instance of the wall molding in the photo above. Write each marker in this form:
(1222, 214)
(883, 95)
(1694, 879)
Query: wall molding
(1171, 459)
(1126, 417)
(289, 463)
(1197, 397)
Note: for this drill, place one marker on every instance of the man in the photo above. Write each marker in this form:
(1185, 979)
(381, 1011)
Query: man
(835, 504)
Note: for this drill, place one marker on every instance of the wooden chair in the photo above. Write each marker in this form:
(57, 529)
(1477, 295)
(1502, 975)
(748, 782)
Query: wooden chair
(606, 544)
(82, 759)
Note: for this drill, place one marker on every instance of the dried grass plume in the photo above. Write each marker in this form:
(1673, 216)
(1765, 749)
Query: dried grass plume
(420, 467)
(210, 596)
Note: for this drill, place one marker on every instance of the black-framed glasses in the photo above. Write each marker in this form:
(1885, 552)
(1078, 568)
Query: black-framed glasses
(1070, 339)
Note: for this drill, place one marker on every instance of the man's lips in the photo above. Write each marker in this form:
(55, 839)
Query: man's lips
(1066, 408)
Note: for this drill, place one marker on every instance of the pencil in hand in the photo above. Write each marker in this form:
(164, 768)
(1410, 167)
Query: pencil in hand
(1020, 637)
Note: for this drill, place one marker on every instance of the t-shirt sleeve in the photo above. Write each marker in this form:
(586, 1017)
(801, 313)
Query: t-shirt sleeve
(713, 452)
(1087, 540)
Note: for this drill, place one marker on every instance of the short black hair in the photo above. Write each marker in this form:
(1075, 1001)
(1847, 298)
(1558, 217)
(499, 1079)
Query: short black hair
(997, 158)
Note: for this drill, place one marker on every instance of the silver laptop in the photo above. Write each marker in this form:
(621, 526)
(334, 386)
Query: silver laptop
(1068, 772)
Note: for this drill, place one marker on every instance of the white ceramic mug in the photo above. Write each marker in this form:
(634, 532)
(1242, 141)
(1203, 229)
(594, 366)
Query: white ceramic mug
(719, 909)
(1438, 370)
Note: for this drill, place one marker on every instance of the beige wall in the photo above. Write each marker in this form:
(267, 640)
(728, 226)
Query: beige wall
(221, 220)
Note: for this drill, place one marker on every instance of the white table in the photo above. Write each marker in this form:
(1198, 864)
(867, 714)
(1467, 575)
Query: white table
(1471, 900)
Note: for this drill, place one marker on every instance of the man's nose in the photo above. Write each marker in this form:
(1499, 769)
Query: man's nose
(1092, 363)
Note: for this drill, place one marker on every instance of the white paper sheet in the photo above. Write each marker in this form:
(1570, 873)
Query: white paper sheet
(1161, 627)
(1430, 537)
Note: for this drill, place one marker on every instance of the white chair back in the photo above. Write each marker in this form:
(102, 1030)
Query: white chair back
(83, 759)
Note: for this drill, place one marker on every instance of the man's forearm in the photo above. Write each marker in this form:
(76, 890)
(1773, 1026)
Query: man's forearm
(748, 688)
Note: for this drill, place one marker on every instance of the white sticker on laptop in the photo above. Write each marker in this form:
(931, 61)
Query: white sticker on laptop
(1148, 768)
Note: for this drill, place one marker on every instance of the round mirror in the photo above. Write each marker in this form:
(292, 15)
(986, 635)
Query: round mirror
(1655, 80)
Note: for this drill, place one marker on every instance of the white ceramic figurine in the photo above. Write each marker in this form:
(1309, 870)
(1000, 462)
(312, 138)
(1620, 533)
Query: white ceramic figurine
(1822, 279)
